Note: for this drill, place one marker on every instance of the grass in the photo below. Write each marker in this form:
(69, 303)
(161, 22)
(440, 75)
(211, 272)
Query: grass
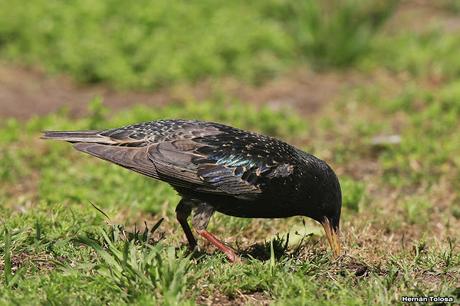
(77, 230)
(139, 268)
(148, 45)
(430, 52)
(57, 248)
(335, 33)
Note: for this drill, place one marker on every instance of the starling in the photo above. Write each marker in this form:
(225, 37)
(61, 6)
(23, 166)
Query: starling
(215, 167)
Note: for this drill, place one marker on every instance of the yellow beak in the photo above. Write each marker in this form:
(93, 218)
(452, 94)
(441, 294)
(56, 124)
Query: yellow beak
(332, 238)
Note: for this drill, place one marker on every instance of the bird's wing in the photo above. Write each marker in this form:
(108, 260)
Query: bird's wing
(133, 158)
(179, 162)
(141, 149)
(243, 163)
(221, 160)
(204, 157)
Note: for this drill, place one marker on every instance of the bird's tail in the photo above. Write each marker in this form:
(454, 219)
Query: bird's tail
(77, 136)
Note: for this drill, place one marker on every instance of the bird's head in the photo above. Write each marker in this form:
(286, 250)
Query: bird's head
(325, 201)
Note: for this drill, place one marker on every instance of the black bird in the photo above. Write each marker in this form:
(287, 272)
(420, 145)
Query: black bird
(215, 167)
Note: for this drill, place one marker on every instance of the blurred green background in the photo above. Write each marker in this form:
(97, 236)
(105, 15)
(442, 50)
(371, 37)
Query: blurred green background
(371, 86)
(151, 44)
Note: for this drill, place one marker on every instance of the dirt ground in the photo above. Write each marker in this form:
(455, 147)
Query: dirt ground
(25, 92)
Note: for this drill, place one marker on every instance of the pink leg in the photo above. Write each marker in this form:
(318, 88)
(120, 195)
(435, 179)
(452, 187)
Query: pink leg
(232, 257)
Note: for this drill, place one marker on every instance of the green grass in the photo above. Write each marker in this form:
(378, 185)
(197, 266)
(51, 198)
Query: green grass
(430, 52)
(401, 201)
(334, 33)
(58, 249)
(150, 44)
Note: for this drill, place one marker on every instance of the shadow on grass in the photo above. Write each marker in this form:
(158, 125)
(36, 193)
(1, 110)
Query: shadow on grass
(309, 251)
(276, 248)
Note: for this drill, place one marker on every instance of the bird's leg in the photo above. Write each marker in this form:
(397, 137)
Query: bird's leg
(232, 257)
(201, 215)
(183, 211)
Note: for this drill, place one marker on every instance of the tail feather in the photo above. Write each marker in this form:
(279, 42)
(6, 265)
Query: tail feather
(77, 136)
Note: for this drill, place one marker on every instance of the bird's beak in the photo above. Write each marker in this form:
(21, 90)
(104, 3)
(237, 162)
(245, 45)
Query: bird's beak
(332, 237)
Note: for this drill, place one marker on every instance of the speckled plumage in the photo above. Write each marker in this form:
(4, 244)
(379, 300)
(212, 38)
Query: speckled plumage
(215, 167)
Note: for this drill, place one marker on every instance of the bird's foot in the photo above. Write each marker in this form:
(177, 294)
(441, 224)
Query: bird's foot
(231, 255)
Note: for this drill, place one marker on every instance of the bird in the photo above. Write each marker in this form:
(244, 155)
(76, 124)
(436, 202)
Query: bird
(218, 168)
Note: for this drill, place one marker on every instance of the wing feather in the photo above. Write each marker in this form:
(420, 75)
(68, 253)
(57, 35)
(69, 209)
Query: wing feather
(202, 156)
(133, 158)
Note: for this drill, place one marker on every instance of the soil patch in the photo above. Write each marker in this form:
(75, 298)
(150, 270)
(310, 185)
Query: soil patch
(26, 92)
